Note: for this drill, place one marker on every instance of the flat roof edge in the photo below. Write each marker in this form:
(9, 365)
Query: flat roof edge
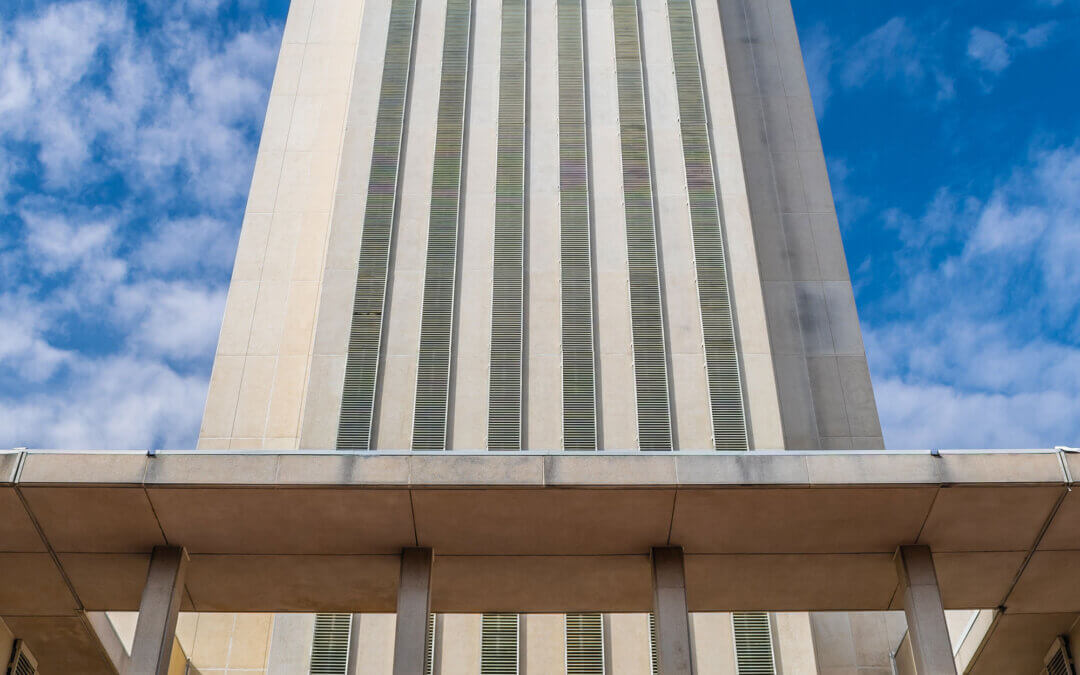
(536, 469)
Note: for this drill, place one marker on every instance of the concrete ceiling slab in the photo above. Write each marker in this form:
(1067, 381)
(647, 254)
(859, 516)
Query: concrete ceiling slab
(541, 584)
(33, 585)
(819, 520)
(1017, 643)
(107, 581)
(976, 580)
(294, 583)
(17, 531)
(988, 518)
(1047, 584)
(542, 522)
(62, 644)
(788, 582)
(1064, 532)
(95, 519)
(296, 521)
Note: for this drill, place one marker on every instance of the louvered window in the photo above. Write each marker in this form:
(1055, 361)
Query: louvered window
(330, 644)
(507, 297)
(499, 644)
(579, 385)
(365, 333)
(1057, 661)
(437, 315)
(22, 661)
(650, 354)
(429, 646)
(753, 643)
(584, 644)
(721, 354)
(654, 653)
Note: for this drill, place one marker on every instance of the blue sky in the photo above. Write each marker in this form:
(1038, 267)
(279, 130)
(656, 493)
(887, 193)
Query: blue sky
(128, 135)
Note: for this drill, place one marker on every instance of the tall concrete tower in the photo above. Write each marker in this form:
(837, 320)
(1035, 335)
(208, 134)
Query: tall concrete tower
(515, 225)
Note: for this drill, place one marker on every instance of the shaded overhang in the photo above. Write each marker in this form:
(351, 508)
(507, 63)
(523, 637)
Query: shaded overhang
(535, 532)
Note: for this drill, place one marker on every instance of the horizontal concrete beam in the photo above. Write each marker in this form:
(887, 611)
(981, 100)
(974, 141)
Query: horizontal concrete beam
(321, 531)
(77, 528)
(535, 469)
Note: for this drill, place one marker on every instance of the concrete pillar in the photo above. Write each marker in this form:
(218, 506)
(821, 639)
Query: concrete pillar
(921, 596)
(159, 609)
(413, 607)
(669, 605)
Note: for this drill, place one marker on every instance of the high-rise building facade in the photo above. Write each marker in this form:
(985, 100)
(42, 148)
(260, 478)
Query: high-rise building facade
(541, 225)
(540, 320)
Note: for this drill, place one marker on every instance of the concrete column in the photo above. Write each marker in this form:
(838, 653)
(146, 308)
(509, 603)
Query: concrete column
(669, 605)
(413, 607)
(159, 609)
(927, 630)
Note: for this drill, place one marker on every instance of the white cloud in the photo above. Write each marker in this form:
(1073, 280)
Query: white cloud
(940, 416)
(994, 52)
(57, 244)
(818, 57)
(188, 244)
(23, 350)
(177, 320)
(891, 49)
(143, 136)
(980, 347)
(117, 402)
(989, 50)
(79, 79)
(1038, 36)
(899, 53)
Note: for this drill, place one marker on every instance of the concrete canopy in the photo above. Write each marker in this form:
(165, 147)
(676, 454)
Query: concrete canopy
(536, 532)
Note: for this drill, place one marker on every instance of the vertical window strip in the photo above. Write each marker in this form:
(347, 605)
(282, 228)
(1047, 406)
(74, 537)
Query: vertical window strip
(753, 643)
(330, 644)
(647, 319)
(500, 644)
(654, 652)
(579, 377)
(507, 300)
(584, 644)
(437, 315)
(366, 330)
(429, 646)
(721, 353)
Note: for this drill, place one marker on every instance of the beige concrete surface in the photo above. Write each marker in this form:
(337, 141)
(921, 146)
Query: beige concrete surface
(374, 651)
(714, 643)
(457, 646)
(626, 644)
(793, 642)
(544, 642)
(265, 349)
